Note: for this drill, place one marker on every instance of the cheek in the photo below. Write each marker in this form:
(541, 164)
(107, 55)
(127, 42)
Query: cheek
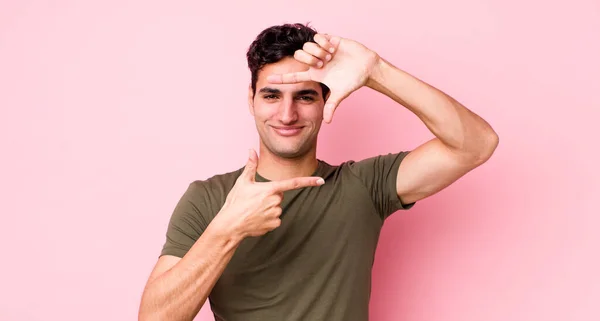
(264, 112)
(313, 113)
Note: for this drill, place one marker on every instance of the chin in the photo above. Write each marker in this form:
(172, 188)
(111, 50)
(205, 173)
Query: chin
(288, 152)
(287, 147)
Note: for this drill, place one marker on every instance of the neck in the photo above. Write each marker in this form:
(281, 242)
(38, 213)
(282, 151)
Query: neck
(276, 168)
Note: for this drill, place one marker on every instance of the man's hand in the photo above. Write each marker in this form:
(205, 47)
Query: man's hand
(341, 64)
(252, 208)
(178, 287)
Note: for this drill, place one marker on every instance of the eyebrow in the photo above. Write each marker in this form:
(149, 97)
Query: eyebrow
(302, 92)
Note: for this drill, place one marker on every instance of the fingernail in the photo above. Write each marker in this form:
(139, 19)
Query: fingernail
(320, 64)
(328, 57)
(331, 49)
(320, 181)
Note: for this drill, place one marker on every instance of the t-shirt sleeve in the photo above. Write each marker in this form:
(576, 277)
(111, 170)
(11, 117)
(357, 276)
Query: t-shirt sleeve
(379, 175)
(187, 222)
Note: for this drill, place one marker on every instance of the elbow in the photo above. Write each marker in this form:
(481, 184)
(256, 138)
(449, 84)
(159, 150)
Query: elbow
(479, 150)
(488, 146)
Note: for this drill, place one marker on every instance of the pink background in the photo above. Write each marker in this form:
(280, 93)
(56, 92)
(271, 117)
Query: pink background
(110, 108)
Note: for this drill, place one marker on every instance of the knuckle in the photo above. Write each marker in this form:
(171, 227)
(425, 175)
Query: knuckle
(265, 195)
(273, 200)
(273, 190)
(312, 47)
(319, 38)
(260, 196)
(278, 210)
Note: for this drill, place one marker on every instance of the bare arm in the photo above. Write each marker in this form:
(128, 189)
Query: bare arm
(463, 139)
(177, 288)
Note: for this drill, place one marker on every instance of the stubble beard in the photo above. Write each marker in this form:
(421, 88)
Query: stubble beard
(278, 147)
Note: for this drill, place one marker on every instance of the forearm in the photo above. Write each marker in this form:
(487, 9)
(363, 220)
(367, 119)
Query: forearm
(458, 128)
(180, 292)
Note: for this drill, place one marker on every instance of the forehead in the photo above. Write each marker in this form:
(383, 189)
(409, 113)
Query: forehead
(286, 65)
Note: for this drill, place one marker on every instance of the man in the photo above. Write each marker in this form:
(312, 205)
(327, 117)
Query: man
(289, 236)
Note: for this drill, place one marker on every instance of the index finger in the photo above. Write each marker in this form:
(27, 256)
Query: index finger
(289, 78)
(295, 183)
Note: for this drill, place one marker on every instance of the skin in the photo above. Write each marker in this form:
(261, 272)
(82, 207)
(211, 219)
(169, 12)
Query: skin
(282, 106)
(177, 288)
(463, 140)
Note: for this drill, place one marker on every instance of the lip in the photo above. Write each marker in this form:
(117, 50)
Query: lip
(287, 130)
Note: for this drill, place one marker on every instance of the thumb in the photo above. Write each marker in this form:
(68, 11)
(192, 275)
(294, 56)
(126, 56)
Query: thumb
(250, 169)
(330, 106)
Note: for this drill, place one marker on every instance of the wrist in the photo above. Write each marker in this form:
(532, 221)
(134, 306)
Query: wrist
(226, 230)
(393, 82)
(377, 74)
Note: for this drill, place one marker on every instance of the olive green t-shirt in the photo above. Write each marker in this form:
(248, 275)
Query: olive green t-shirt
(317, 264)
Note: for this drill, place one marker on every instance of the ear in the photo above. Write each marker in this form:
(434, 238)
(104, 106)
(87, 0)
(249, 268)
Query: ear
(250, 100)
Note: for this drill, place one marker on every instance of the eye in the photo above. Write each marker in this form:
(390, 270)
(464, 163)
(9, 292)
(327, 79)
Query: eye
(270, 96)
(307, 98)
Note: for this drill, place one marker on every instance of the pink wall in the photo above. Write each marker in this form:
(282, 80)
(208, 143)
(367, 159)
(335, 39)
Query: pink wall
(109, 109)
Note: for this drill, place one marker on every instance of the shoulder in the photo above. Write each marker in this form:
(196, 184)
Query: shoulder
(379, 175)
(210, 193)
(378, 164)
(216, 184)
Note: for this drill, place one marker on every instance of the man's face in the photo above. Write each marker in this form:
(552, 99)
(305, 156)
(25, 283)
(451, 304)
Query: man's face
(288, 116)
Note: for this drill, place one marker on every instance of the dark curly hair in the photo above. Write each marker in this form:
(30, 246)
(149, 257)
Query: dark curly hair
(276, 43)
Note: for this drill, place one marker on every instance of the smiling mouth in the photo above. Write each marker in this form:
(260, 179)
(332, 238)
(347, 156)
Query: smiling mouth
(287, 131)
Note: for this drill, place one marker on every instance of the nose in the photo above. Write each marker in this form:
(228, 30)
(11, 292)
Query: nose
(288, 113)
